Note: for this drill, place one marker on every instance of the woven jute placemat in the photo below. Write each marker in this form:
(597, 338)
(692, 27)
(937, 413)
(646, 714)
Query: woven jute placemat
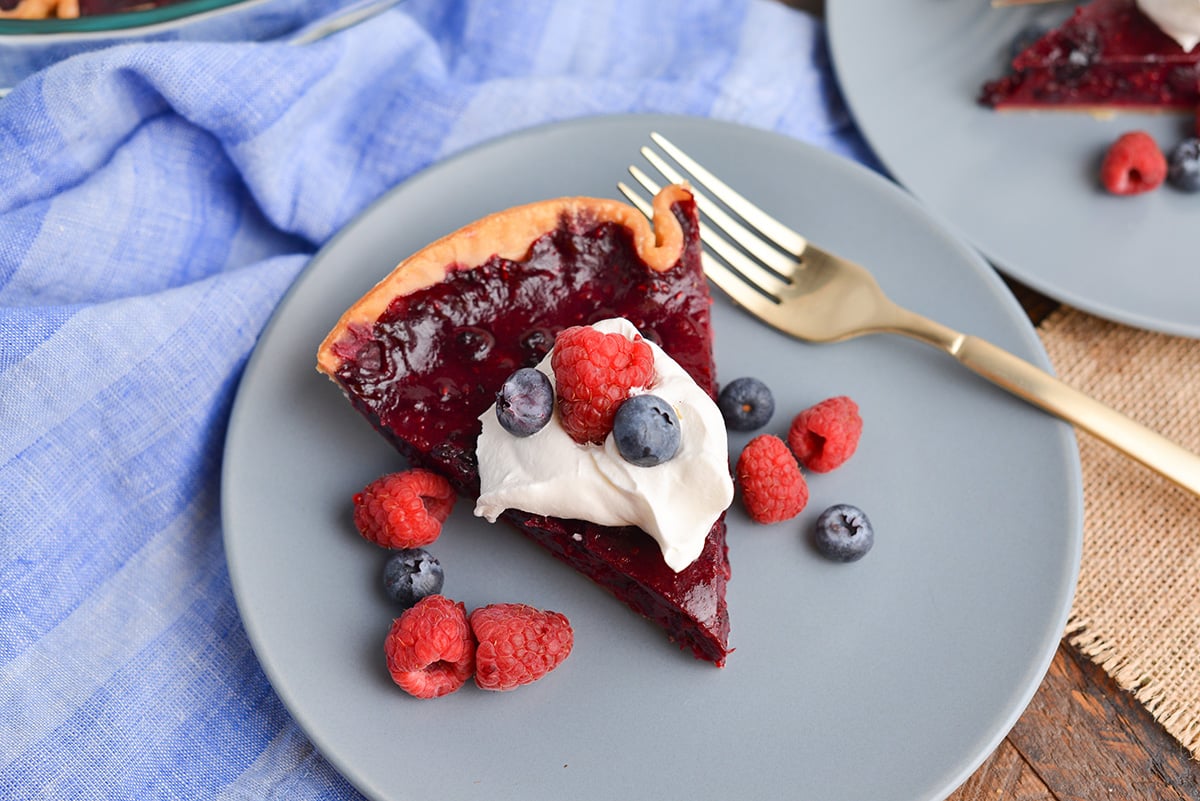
(1137, 606)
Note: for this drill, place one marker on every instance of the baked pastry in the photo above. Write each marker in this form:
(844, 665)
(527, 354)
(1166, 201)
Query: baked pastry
(423, 354)
(1107, 55)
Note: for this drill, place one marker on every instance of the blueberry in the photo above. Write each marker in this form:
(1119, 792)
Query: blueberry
(411, 574)
(646, 430)
(525, 403)
(844, 533)
(1183, 165)
(746, 404)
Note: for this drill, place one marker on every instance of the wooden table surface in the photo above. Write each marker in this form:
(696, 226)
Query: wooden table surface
(1082, 738)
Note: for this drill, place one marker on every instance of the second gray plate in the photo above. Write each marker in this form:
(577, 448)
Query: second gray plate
(1023, 187)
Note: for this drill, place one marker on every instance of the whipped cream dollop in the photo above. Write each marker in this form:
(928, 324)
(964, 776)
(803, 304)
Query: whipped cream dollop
(675, 502)
(1179, 19)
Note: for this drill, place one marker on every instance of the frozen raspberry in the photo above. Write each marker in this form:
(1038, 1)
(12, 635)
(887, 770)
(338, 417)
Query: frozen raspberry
(430, 650)
(518, 644)
(1133, 164)
(773, 488)
(403, 510)
(824, 436)
(593, 374)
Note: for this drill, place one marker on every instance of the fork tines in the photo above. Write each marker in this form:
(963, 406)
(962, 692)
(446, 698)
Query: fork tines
(746, 246)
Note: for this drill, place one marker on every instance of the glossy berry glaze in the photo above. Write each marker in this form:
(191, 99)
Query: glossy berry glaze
(435, 359)
(1107, 54)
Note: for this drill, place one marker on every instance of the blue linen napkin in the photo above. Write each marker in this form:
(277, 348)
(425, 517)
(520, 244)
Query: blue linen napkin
(156, 200)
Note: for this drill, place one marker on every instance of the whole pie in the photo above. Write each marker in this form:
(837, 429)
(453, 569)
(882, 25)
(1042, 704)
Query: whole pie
(423, 354)
(1107, 55)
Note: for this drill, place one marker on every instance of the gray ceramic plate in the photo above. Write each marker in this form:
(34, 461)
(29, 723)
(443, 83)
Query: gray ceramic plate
(891, 678)
(1021, 186)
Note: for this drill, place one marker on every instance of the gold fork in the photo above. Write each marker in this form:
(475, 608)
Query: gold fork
(817, 296)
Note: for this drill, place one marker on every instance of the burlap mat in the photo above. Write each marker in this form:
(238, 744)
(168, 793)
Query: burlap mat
(1137, 608)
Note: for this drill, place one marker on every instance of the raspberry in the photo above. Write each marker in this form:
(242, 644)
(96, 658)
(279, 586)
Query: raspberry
(593, 374)
(518, 644)
(773, 489)
(430, 651)
(403, 510)
(824, 436)
(1133, 164)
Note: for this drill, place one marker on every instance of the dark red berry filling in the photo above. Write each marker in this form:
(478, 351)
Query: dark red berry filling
(1108, 53)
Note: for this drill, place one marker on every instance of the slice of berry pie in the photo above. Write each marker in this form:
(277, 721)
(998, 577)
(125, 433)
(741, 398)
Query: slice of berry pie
(1107, 55)
(423, 354)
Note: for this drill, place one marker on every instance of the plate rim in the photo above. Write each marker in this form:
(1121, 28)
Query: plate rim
(1002, 295)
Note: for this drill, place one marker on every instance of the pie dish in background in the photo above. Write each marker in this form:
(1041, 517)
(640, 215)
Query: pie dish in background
(37, 18)
(72, 9)
(29, 45)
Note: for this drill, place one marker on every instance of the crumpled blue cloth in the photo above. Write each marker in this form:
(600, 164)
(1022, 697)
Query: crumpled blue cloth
(156, 200)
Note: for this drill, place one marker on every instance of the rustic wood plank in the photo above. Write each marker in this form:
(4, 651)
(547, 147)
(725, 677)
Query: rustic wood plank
(1005, 776)
(1035, 304)
(1088, 739)
(1082, 738)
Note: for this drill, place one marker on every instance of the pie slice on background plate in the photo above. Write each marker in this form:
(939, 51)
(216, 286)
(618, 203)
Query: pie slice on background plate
(1107, 56)
(423, 353)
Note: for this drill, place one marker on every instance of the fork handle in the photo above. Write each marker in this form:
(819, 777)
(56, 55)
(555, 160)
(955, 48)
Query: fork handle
(1103, 422)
